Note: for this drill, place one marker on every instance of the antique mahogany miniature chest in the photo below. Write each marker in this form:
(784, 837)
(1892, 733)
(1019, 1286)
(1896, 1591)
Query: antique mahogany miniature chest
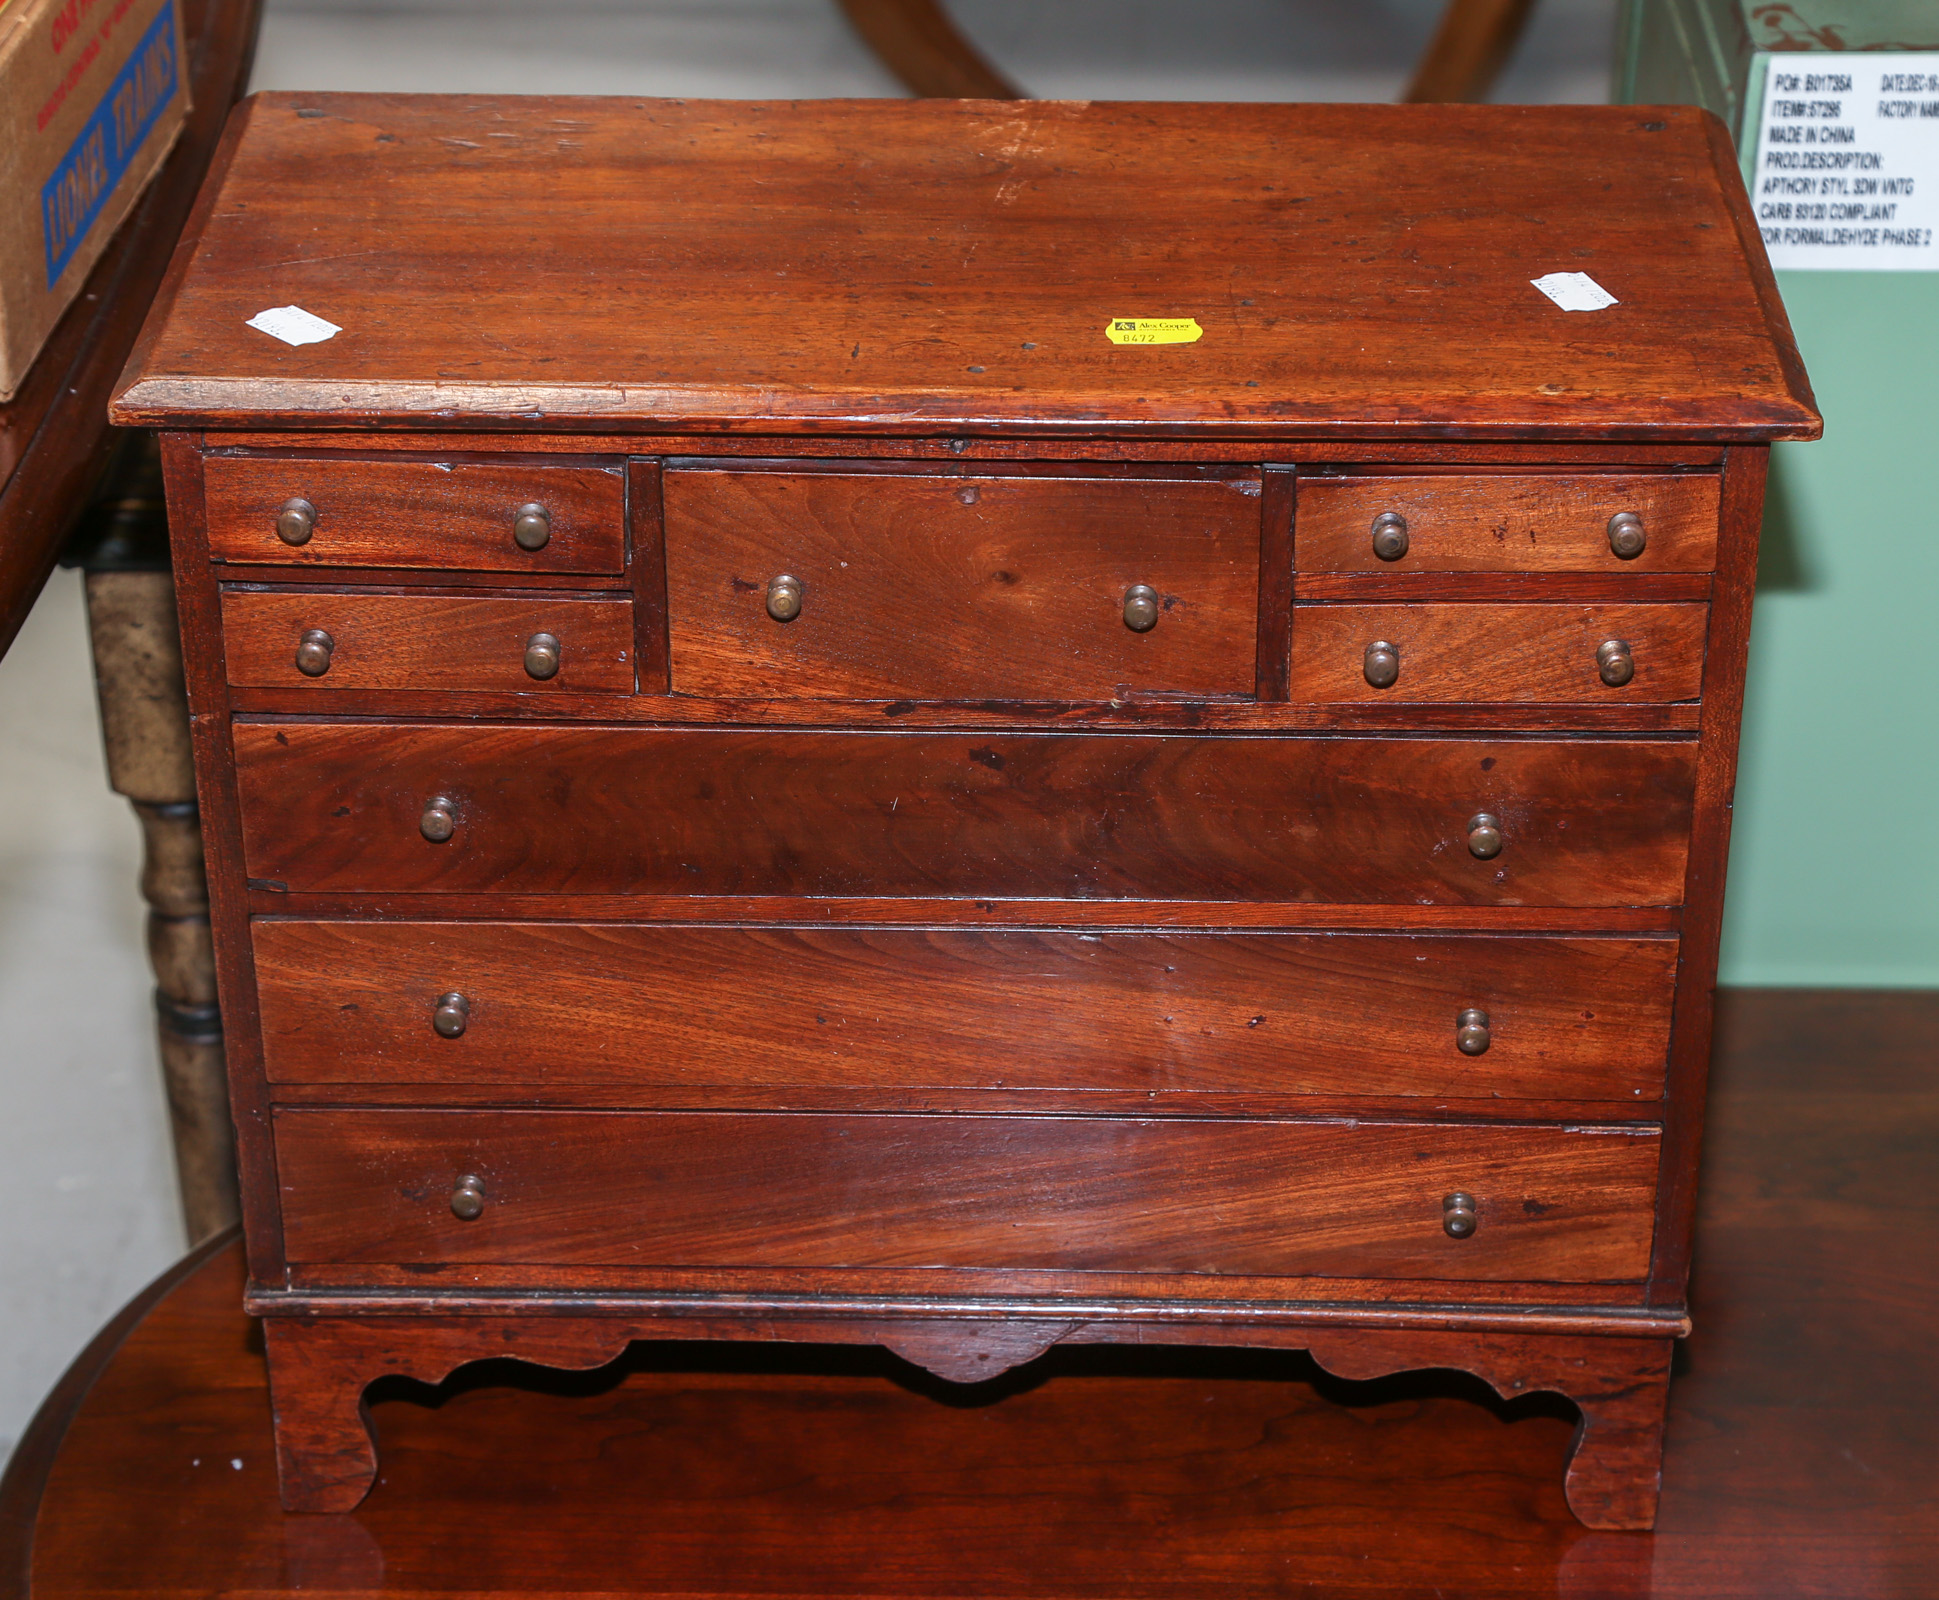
(968, 725)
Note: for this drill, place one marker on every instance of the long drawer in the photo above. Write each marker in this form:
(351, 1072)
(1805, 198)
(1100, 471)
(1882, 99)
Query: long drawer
(671, 1189)
(537, 1005)
(481, 807)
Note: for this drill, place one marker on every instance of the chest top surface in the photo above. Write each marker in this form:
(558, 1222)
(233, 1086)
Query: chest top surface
(885, 267)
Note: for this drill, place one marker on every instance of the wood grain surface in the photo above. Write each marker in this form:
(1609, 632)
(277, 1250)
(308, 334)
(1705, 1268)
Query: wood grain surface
(565, 810)
(960, 588)
(1475, 654)
(465, 642)
(552, 1006)
(446, 515)
(699, 1189)
(1508, 522)
(1798, 1465)
(913, 266)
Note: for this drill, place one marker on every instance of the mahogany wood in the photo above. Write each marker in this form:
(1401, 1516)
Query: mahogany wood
(336, 806)
(1474, 654)
(438, 514)
(704, 1189)
(941, 444)
(953, 588)
(1799, 1457)
(983, 308)
(960, 824)
(555, 1005)
(1373, 715)
(427, 642)
(1496, 522)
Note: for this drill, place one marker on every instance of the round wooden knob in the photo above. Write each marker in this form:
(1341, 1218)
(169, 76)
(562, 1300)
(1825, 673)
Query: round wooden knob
(542, 656)
(1626, 535)
(1484, 836)
(1390, 536)
(468, 1198)
(453, 1012)
(440, 819)
(1141, 608)
(784, 598)
(1457, 1216)
(1382, 664)
(531, 526)
(313, 652)
(1614, 663)
(1471, 1036)
(296, 522)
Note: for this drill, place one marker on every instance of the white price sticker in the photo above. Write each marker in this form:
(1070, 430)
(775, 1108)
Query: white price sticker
(293, 325)
(1847, 174)
(1574, 291)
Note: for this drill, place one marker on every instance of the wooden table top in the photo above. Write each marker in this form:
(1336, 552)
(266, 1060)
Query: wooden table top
(896, 266)
(1803, 1443)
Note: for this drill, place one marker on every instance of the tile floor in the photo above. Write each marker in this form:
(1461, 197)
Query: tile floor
(87, 1208)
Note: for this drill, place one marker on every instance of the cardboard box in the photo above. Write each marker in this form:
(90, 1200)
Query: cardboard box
(92, 95)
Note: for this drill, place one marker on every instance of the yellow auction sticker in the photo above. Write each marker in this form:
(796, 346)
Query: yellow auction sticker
(1153, 330)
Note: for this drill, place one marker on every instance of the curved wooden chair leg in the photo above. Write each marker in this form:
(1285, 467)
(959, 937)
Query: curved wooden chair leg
(916, 41)
(1469, 49)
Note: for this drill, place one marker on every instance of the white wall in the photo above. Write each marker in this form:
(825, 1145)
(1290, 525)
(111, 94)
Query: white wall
(87, 1206)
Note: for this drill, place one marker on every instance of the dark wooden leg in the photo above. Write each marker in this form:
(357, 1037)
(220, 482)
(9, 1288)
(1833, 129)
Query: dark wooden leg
(1616, 1464)
(1621, 1387)
(916, 41)
(145, 724)
(326, 1453)
(1468, 51)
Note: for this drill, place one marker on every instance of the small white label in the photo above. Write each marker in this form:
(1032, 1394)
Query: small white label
(293, 325)
(1847, 174)
(1574, 291)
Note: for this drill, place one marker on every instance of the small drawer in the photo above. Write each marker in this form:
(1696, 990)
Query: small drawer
(926, 587)
(550, 1005)
(651, 1190)
(352, 807)
(1498, 654)
(1531, 522)
(461, 516)
(328, 639)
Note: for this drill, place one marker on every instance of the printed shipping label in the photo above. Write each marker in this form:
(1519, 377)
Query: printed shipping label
(73, 196)
(1847, 174)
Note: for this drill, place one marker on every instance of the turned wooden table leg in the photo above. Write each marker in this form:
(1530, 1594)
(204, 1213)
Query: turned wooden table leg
(145, 724)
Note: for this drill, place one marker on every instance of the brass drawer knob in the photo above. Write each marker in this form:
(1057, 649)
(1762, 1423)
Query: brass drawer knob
(1484, 836)
(313, 652)
(1382, 664)
(1626, 535)
(453, 1012)
(542, 656)
(531, 526)
(468, 1198)
(1457, 1216)
(1614, 662)
(1141, 608)
(296, 522)
(1471, 1036)
(784, 598)
(1390, 536)
(440, 819)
